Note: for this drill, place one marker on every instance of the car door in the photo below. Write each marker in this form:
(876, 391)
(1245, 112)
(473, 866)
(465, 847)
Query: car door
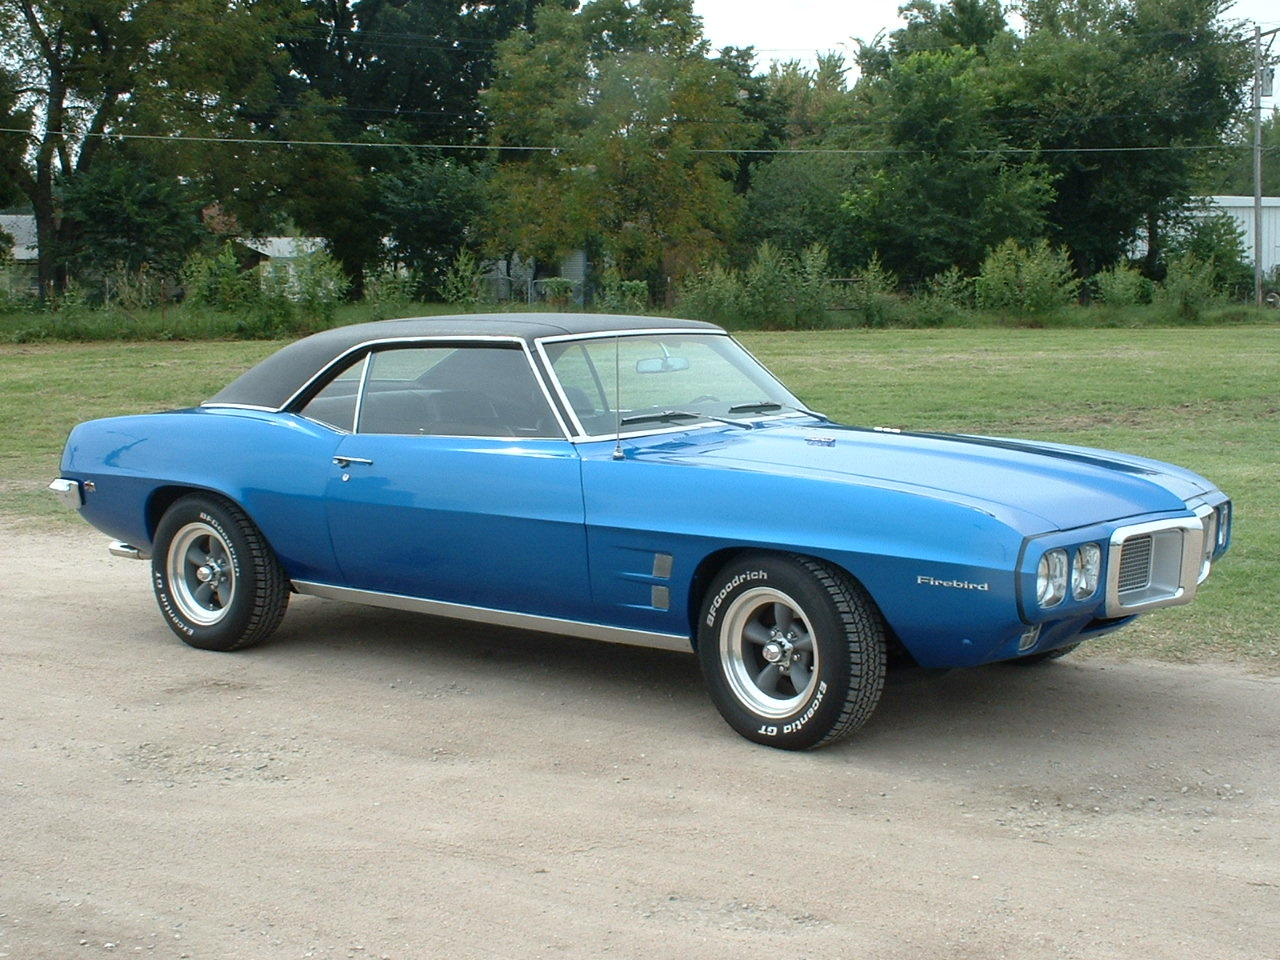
(458, 485)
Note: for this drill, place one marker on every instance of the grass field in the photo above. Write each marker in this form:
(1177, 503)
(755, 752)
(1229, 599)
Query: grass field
(1205, 398)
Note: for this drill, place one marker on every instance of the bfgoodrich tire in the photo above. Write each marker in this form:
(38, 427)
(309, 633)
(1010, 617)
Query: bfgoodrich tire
(216, 580)
(792, 650)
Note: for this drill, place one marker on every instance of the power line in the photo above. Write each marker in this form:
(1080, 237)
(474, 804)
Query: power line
(399, 145)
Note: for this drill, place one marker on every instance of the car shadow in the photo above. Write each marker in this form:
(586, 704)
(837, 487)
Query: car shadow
(995, 714)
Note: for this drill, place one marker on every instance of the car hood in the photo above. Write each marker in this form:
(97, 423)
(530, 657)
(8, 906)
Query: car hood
(1033, 486)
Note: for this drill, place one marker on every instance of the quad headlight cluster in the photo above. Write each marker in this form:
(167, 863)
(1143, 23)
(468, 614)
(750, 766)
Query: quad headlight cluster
(1062, 571)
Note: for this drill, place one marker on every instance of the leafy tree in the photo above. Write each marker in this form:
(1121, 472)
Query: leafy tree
(128, 217)
(963, 24)
(796, 193)
(1122, 97)
(12, 144)
(618, 134)
(1235, 176)
(94, 68)
(428, 205)
(939, 184)
(379, 73)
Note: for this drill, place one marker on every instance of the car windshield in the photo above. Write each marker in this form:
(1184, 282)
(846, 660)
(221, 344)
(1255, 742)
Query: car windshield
(642, 383)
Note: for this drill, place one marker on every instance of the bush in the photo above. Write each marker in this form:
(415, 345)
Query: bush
(713, 294)
(559, 291)
(1188, 290)
(776, 292)
(872, 299)
(219, 281)
(461, 283)
(1120, 285)
(1035, 281)
(621, 296)
(1214, 238)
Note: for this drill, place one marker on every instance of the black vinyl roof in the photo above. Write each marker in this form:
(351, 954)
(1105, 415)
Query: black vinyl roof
(278, 378)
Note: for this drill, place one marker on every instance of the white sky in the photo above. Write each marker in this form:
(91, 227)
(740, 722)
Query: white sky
(797, 29)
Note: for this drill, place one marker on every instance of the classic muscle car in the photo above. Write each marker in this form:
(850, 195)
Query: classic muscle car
(637, 480)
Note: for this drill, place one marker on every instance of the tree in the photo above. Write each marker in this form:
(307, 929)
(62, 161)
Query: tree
(429, 205)
(797, 188)
(1235, 176)
(97, 68)
(619, 136)
(17, 124)
(938, 184)
(1122, 97)
(129, 217)
(377, 75)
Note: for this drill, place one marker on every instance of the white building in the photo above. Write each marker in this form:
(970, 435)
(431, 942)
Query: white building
(18, 271)
(1241, 211)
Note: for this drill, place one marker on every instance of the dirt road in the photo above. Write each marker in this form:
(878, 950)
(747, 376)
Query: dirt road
(374, 784)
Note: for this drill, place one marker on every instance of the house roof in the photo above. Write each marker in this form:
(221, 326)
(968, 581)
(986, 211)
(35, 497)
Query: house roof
(22, 227)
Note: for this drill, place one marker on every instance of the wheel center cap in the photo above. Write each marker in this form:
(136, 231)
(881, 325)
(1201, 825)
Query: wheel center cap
(207, 573)
(778, 651)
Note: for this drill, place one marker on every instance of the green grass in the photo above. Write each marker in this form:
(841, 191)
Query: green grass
(1207, 398)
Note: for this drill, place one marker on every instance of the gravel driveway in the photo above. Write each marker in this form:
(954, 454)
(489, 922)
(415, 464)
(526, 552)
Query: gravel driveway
(375, 784)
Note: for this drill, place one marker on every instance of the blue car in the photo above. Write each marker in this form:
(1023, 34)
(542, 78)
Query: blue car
(636, 480)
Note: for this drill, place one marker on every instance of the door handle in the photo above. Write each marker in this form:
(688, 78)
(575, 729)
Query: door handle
(345, 462)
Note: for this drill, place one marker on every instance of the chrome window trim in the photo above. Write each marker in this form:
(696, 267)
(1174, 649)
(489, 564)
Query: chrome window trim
(369, 346)
(577, 434)
(497, 618)
(257, 408)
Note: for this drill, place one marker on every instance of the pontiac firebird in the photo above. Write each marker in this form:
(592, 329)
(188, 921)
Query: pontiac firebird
(637, 480)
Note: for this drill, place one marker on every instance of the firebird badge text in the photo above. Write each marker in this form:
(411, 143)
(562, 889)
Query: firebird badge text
(953, 584)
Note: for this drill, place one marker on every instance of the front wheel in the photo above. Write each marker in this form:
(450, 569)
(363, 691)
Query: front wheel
(792, 650)
(218, 584)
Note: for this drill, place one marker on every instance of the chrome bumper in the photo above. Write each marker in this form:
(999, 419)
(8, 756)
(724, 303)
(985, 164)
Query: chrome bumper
(69, 492)
(119, 548)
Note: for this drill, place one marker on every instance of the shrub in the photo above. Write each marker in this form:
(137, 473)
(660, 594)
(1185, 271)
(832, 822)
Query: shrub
(872, 299)
(1035, 281)
(1188, 289)
(713, 294)
(1120, 285)
(219, 281)
(559, 291)
(776, 292)
(461, 283)
(621, 296)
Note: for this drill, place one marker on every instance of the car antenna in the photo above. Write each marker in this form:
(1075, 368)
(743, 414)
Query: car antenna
(617, 399)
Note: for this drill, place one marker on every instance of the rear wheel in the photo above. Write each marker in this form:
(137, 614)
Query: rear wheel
(793, 650)
(218, 584)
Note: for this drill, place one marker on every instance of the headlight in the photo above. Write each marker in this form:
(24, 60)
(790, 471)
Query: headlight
(1086, 569)
(1051, 578)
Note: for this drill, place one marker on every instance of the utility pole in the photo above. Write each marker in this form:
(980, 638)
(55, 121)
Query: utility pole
(1262, 76)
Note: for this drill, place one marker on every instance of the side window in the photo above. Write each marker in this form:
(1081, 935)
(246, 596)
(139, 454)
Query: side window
(335, 404)
(452, 390)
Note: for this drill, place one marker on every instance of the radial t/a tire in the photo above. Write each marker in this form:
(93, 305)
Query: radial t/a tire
(217, 581)
(792, 650)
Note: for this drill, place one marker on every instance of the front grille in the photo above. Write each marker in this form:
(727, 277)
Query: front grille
(1154, 565)
(1135, 564)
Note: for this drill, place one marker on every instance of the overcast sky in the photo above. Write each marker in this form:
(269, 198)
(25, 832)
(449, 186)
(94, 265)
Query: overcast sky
(796, 29)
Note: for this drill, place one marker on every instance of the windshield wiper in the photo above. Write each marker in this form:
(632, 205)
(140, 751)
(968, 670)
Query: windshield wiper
(766, 406)
(668, 415)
